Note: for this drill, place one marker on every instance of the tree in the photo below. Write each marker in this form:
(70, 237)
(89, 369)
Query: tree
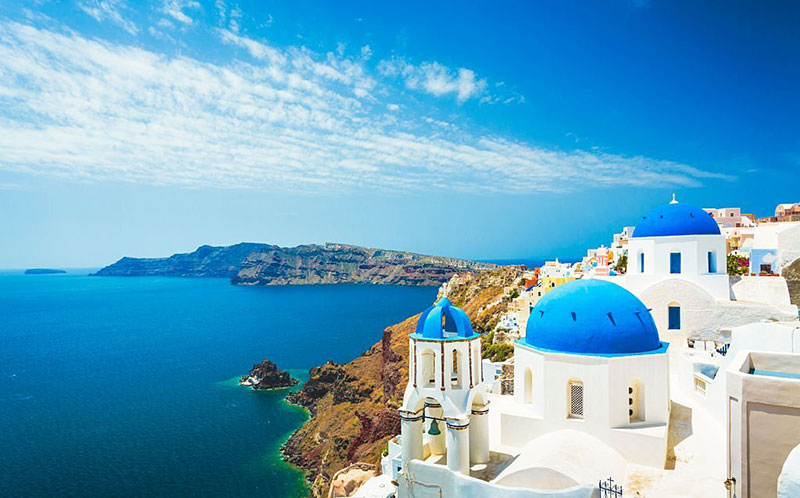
(622, 264)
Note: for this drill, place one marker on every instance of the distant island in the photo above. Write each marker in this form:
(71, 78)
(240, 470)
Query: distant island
(264, 264)
(43, 271)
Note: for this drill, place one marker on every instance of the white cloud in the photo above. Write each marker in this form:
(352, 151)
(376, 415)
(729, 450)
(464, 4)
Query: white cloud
(435, 79)
(177, 9)
(366, 52)
(280, 119)
(393, 107)
(108, 10)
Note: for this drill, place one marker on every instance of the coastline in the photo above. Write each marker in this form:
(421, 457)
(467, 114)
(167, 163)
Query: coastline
(352, 407)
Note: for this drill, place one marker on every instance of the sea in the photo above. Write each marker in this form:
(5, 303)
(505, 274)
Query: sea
(127, 386)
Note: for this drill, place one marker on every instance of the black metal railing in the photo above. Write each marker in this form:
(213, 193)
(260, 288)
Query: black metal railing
(724, 349)
(610, 489)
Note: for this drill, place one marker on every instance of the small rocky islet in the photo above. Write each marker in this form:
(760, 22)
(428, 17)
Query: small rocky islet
(266, 375)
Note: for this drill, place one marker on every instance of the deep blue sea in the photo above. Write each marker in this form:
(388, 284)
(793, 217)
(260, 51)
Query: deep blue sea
(126, 386)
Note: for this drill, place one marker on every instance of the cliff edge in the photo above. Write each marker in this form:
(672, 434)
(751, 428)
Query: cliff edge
(341, 263)
(264, 264)
(354, 406)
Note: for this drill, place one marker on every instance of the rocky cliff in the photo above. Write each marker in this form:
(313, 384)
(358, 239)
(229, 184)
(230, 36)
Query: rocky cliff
(206, 261)
(340, 263)
(354, 406)
(264, 264)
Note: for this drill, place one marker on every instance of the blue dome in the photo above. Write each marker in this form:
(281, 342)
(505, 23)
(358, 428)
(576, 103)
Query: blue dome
(592, 317)
(456, 322)
(676, 219)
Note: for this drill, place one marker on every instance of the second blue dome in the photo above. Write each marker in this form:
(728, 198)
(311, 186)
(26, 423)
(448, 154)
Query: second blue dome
(592, 317)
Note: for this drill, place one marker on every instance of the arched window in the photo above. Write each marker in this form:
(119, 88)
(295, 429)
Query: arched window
(528, 386)
(641, 262)
(673, 316)
(575, 399)
(428, 369)
(476, 366)
(636, 401)
(455, 377)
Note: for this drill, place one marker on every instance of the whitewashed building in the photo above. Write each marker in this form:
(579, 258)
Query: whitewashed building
(591, 383)
(677, 266)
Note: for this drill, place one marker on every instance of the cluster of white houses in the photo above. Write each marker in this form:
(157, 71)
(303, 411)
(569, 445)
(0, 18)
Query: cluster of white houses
(606, 388)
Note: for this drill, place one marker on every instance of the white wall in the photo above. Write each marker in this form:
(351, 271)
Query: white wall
(702, 317)
(764, 337)
(764, 420)
(769, 290)
(424, 480)
(605, 404)
(694, 262)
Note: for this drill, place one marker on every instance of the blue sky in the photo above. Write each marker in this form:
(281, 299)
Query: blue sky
(479, 130)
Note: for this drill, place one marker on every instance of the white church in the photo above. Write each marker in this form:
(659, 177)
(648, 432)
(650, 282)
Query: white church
(605, 388)
(677, 266)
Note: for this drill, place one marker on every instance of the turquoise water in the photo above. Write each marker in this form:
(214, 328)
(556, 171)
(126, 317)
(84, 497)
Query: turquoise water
(775, 373)
(126, 386)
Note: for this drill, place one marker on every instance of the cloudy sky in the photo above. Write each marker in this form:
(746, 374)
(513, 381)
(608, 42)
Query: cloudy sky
(465, 129)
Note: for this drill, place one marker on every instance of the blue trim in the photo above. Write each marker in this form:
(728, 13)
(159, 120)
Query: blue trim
(421, 337)
(660, 350)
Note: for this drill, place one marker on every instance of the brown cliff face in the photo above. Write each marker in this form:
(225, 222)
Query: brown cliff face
(340, 263)
(354, 406)
(792, 275)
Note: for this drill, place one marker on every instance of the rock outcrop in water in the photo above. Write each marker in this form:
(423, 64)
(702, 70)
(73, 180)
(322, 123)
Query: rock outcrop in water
(266, 375)
(264, 264)
(341, 263)
(354, 406)
(206, 261)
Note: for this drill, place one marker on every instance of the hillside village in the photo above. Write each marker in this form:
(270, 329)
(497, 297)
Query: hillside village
(696, 308)
(754, 247)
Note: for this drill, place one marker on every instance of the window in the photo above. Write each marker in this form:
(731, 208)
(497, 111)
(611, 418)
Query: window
(674, 317)
(575, 395)
(528, 392)
(636, 401)
(455, 378)
(428, 369)
(675, 262)
(641, 262)
(712, 262)
(700, 386)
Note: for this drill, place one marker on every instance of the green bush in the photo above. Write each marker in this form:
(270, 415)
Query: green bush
(498, 352)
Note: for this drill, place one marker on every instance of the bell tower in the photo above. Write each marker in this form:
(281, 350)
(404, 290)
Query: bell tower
(445, 409)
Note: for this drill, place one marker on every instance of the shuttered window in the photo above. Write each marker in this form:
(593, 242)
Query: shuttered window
(575, 399)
